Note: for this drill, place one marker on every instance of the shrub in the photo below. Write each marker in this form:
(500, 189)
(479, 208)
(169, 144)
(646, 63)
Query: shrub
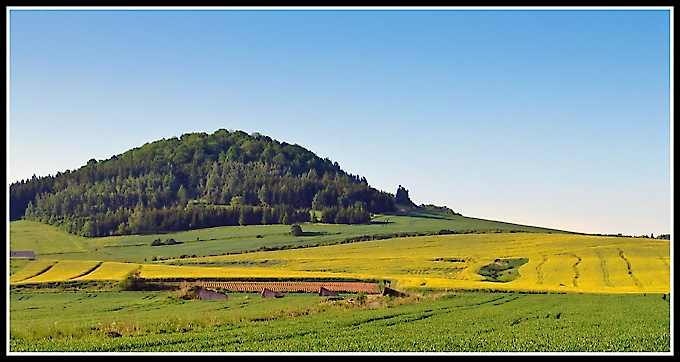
(296, 230)
(132, 281)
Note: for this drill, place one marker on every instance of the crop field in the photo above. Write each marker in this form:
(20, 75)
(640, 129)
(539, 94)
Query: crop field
(501, 288)
(46, 240)
(64, 270)
(553, 263)
(28, 269)
(556, 263)
(458, 322)
(108, 271)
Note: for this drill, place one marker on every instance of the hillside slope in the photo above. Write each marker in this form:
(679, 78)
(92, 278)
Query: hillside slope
(195, 181)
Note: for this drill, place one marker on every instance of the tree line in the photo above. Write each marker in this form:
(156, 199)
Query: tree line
(195, 181)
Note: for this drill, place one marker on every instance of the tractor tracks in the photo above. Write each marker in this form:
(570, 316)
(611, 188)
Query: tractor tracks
(91, 270)
(605, 271)
(630, 269)
(577, 274)
(539, 270)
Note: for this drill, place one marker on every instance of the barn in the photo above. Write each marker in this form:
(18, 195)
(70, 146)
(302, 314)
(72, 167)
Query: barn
(268, 293)
(323, 292)
(28, 254)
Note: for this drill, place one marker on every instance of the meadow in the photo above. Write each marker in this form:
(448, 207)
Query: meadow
(473, 285)
(550, 263)
(453, 322)
(49, 242)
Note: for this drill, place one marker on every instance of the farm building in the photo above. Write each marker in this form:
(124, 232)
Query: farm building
(29, 254)
(323, 292)
(268, 293)
(205, 294)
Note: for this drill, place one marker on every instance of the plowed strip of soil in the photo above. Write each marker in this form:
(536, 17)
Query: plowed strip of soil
(355, 287)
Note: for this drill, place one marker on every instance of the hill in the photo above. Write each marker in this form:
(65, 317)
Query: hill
(196, 181)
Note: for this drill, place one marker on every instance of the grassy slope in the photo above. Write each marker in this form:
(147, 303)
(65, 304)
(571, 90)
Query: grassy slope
(49, 242)
(472, 322)
(557, 262)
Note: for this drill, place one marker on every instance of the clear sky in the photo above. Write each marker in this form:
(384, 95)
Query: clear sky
(549, 117)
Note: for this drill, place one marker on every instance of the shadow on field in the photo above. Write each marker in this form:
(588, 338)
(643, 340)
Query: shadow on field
(313, 233)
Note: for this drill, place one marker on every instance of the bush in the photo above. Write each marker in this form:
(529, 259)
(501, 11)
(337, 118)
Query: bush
(158, 242)
(132, 281)
(296, 230)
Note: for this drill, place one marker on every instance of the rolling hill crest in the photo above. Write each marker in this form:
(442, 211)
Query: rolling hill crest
(195, 181)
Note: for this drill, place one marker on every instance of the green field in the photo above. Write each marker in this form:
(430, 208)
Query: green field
(474, 286)
(48, 242)
(462, 322)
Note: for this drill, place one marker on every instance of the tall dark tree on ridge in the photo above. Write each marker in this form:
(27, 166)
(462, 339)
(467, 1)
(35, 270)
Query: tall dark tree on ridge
(402, 197)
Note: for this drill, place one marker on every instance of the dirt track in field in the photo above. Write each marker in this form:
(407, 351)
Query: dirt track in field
(354, 287)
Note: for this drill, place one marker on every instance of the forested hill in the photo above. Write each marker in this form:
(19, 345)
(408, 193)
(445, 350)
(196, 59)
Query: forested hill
(195, 181)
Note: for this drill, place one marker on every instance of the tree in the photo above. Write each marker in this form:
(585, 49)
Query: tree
(89, 229)
(402, 197)
(132, 281)
(296, 230)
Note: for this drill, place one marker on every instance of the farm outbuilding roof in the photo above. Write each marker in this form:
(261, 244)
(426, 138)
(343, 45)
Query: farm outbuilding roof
(205, 294)
(268, 293)
(323, 292)
(28, 254)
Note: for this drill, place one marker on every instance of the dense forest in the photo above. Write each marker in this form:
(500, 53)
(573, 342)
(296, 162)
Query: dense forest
(195, 181)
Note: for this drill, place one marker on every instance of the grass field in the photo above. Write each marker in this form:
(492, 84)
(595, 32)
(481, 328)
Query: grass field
(47, 241)
(461, 322)
(483, 286)
(553, 262)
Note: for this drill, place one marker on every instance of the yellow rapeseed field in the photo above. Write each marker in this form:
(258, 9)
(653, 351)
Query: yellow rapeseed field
(64, 270)
(109, 271)
(556, 263)
(576, 263)
(31, 269)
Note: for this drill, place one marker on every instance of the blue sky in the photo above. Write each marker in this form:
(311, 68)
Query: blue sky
(556, 118)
